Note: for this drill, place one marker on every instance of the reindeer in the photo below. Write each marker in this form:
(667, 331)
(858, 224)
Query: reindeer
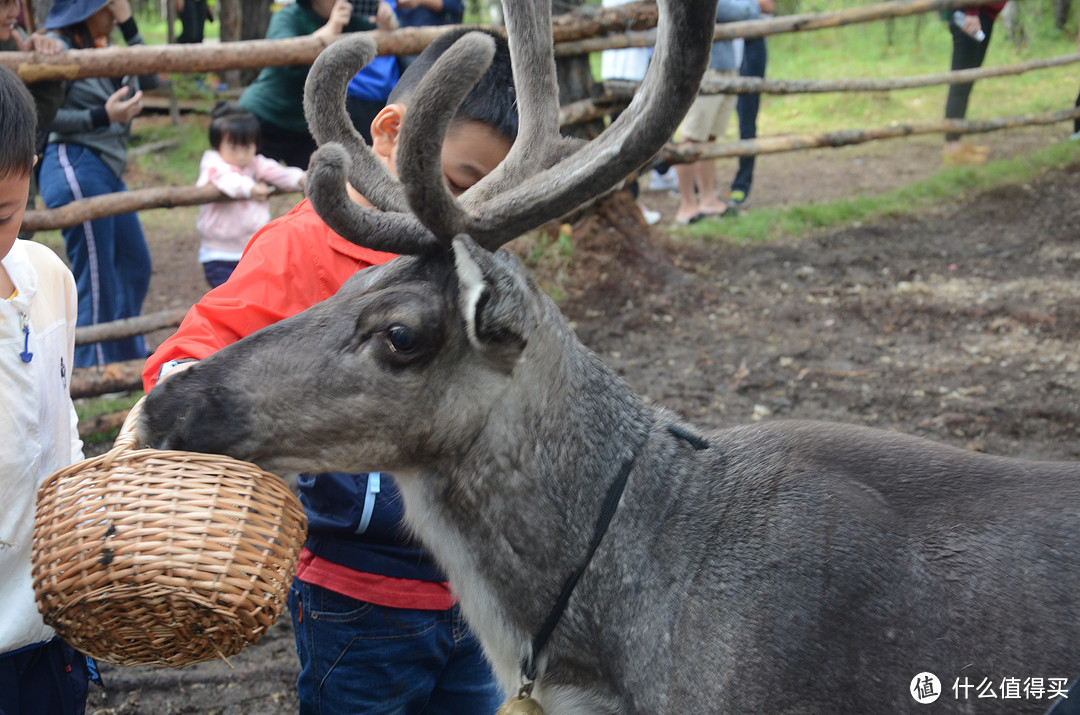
(611, 557)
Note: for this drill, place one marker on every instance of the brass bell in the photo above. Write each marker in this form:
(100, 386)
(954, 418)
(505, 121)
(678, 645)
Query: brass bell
(523, 704)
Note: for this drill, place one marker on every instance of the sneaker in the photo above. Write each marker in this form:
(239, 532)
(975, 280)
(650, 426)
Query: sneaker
(663, 182)
(1075, 136)
(651, 217)
(736, 201)
(961, 153)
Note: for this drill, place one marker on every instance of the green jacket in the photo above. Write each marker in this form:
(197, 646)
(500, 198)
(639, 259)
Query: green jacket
(277, 94)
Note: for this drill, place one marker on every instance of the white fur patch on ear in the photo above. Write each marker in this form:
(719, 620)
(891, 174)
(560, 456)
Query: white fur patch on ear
(471, 282)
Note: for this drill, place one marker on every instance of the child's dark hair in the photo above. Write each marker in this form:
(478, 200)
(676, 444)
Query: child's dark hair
(492, 101)
(227, 119)
(18, 126)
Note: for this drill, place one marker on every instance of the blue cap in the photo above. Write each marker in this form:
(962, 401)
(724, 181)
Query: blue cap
(69, 12)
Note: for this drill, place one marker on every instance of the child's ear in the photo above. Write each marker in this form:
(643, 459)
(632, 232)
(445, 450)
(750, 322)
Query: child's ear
(385, 129)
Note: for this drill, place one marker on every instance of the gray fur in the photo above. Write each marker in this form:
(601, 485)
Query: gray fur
(785, 567)
(324, 109)
(789, 567)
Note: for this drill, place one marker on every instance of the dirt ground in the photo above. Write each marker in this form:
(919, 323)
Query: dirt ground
(960, 324)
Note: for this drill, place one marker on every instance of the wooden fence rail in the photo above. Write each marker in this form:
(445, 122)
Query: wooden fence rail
(122, 202)
(575, 34)
(572, 28)
(797, 142)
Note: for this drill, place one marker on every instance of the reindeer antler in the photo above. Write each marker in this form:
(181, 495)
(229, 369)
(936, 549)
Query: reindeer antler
(545, 175)
(344, 156)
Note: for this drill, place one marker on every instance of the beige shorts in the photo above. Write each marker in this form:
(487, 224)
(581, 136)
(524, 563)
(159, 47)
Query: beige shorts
(709, 114)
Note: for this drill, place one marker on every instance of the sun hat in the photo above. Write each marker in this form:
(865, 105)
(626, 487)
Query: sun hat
(69, 12)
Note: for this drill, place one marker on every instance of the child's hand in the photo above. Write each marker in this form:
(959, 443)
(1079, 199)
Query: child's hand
(340, 15)
(39, 43)
(260, 191)
(120, 109)
(385, 17)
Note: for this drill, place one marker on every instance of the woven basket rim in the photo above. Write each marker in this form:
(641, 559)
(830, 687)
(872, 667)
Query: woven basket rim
(107, 544)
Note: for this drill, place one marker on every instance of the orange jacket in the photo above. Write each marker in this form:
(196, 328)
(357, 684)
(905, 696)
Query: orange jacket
(291, 264)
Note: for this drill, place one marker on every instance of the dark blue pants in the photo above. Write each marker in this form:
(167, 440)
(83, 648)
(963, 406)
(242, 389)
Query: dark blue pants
(755, 57)
(217, 272)
(48, 679)
(967, 53)
(356, 657)
(109, 256)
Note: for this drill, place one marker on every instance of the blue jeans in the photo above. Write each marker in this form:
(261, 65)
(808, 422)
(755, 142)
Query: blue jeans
(109, 256)
(356, 657)
(217, 272)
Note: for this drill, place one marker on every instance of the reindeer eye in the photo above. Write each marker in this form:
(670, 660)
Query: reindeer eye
(402, 339)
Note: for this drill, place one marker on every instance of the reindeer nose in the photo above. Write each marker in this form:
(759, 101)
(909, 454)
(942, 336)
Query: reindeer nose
(193, 413)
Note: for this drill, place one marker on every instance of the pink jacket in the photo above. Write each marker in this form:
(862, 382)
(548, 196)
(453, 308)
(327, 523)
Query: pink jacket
(225, 227)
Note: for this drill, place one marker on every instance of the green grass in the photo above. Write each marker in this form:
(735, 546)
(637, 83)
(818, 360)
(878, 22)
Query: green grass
(947, 185)
(91, 407)
(176, 166)
(900, 48)
(920, 45)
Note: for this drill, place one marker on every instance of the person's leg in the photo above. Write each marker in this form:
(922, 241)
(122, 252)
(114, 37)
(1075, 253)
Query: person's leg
(189, 17)
(755, 57)
(688, 203)
(1076, 122)
(217, 272)
(358, 657)
(467, 684)
(705, 176)
(49, 679)
(967, 53)
(68, 174)
(133, 267)
(708, 202)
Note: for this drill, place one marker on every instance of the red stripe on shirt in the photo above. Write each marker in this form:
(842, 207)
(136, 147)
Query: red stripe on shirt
(374, 588)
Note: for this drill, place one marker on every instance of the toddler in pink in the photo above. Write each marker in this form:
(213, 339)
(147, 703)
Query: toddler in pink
(239, 172)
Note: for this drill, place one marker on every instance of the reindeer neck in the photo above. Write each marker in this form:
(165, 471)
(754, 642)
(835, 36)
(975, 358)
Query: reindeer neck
(521, 506)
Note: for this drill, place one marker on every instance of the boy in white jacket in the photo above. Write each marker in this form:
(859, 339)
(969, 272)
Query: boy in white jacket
(239, 172)
(38, 427)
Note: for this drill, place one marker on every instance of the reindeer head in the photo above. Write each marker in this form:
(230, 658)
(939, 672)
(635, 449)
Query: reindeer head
(414, 357)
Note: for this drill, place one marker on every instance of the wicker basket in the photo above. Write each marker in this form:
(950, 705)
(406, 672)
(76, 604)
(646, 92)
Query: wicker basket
(152, 557)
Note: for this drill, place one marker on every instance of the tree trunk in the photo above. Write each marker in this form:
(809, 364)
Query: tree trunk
(576, 83)
(230, 16)
(1061, 13)
(37, 11)
(1014, 25)
(254, 19)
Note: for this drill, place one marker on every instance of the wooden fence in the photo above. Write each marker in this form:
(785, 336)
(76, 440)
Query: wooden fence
(629, 25)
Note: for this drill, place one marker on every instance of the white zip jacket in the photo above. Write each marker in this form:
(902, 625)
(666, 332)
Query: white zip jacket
(38, 427)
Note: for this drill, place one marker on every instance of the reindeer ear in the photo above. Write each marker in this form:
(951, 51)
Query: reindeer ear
(496, 301)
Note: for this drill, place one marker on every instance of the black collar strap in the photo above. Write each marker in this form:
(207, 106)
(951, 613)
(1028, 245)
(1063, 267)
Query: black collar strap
(607, 511)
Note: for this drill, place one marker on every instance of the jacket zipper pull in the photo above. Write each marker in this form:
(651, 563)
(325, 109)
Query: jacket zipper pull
(26, 355)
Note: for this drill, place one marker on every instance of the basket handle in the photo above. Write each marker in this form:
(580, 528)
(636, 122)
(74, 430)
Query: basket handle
(127, 439)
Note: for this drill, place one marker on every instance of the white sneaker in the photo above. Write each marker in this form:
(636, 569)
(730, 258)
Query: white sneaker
(651, 217)
(663, 182)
